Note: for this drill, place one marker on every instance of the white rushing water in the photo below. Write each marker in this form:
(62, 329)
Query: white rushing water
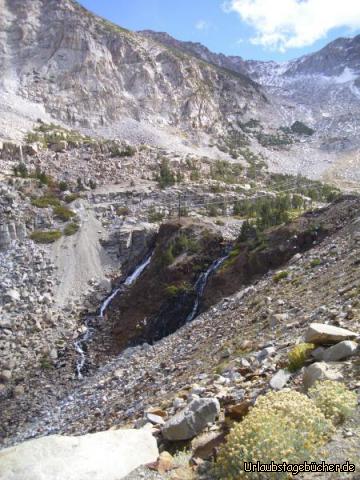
(81, 342)
(201, 284)
(138, 271)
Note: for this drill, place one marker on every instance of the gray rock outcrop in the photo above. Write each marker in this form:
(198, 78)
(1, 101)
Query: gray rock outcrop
(340, 351)
(190, 421)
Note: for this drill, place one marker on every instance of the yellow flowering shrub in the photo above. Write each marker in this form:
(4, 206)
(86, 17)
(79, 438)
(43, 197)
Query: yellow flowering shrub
(335, 400)
(283, 426)
(298, 355)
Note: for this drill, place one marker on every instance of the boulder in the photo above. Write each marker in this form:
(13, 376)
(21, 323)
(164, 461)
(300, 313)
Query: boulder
(323, 334)
(59, 146)
(280, 379)
(12, 295)
(321, 371)
(192, 420)
(110, 455)
(341, 350)
(318, 353)
(154, 419)
(237, 412)
(5, 376)
(204, 445)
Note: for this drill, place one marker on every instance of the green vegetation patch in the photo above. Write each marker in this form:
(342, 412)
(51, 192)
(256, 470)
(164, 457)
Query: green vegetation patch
(46, 201)
(226, 172)
(280, 276)
(301, 129)
(63, 213)
(40, 236)
(71, 229)
(155, 215)
(177, 290)
(299, 355)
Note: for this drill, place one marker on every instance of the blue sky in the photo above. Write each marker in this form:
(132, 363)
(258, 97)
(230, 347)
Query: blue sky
(254, 29)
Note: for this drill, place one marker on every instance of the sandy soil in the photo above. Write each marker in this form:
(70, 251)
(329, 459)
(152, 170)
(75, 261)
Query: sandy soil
(80, 258)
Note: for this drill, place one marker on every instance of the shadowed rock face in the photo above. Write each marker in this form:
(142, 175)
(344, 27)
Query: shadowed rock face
(89, 72)
(162, 298)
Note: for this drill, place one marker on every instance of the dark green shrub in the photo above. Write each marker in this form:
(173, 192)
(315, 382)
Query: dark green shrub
(63, 186)
(71, 198)
(301, 129)
(166, 177)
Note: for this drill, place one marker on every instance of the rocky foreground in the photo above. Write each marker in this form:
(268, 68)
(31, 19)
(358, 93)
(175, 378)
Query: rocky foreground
(188, 386)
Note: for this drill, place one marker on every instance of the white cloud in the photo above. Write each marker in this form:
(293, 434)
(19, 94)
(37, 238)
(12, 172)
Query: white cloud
(202, 25)
(283, 24)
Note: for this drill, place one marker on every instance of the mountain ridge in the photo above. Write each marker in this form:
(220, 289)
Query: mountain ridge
(63, 64)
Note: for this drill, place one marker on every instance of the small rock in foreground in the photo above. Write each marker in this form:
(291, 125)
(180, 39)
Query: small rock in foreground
(320, 371)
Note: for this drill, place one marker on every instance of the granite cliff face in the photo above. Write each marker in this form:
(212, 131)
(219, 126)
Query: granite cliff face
(87, 72)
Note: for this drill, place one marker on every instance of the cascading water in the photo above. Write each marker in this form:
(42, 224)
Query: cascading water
(201, 284)
(80, 344)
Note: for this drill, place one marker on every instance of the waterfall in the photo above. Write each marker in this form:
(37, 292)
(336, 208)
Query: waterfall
(138, 271)
(85, 337)
(21, 154)
(201, 283)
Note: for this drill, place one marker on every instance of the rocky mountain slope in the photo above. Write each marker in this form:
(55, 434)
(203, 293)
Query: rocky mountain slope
(147, 87)
(87, 72)
(320, 89)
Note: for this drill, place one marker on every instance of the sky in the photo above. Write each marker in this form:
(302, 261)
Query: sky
(254, 29)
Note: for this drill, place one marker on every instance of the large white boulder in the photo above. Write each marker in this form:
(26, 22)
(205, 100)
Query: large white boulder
(323, 334)
(110, 455)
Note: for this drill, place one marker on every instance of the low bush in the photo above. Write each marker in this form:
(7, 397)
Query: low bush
(283, 426)
(176, 290)
(298, 355)
(63, 213)
(71, 229)
(71, 197)
(280, 276)
(333, 398)
(315, 262)
(40, 236)
(154, 215)
(45, 202)
(63, 186)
